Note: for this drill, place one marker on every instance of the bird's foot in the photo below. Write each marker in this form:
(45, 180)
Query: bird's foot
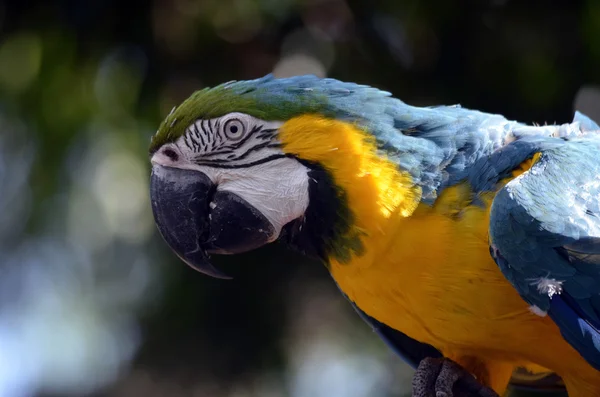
(442, 377)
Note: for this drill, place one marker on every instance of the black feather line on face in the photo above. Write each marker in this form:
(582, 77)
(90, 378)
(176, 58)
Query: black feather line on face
(267, 134)
(218, 152)
(187, 139)
(224, 162)
(323, 231)
(239, 144)
(217, 132)
(205, 138)
(213, 138)
(255, 148)
(226, 165)
(207, 133)
(200, 136)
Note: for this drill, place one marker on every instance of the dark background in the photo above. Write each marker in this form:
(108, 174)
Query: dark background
(91, 300)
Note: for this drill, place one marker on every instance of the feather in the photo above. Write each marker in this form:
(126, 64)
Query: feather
(555, 208)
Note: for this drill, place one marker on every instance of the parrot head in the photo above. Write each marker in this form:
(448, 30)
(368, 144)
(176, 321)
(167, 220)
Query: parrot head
(247, 163)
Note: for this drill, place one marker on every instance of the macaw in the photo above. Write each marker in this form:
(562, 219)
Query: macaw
(451, 230)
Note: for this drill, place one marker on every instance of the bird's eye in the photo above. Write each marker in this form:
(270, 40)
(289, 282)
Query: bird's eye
(234, 129)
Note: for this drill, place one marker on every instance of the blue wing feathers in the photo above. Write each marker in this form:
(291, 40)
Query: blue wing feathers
(545, 228)
(488, 170)
(578, 332)
(544, 225)
(540, 231)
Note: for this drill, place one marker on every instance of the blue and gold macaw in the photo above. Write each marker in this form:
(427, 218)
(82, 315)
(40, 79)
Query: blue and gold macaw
(461, 230)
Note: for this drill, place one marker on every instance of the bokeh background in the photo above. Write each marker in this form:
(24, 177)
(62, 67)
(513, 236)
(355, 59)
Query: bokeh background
(92, 303)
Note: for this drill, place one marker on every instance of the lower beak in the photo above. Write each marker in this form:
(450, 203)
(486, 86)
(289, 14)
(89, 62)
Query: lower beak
(195, 218)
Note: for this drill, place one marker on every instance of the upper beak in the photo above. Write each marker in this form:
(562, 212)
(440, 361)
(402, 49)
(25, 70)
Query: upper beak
(194, 218)
(180, 200)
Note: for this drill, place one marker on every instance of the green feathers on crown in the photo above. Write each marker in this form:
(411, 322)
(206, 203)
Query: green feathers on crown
(266, 98)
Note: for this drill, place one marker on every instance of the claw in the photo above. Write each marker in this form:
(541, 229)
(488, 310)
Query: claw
(442, 377)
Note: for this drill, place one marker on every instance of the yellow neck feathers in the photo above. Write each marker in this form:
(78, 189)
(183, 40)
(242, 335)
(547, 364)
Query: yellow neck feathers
(376, 189)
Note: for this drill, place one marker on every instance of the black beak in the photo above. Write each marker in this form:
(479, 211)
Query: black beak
(196, 219)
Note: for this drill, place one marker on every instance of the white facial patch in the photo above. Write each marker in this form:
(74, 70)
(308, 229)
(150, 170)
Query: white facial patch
(240, 155)
(235, 139)
(278, 189)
